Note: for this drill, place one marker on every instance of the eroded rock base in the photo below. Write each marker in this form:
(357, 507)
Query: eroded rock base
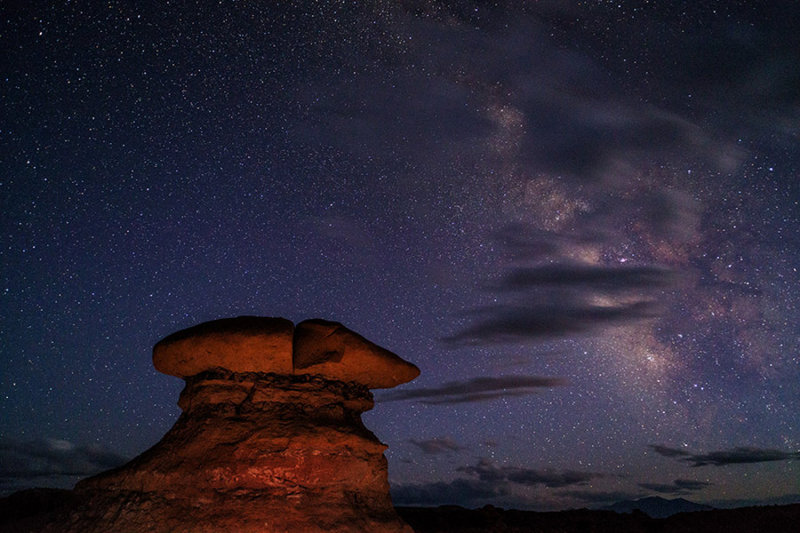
(251, 452)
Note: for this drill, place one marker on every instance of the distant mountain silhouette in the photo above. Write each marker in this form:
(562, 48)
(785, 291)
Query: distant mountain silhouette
(31, 510)
(656, 507)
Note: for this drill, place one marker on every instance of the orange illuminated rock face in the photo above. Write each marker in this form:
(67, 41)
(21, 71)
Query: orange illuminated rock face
(242, 344)
(276, 449)
(331, 350)
(273, 345)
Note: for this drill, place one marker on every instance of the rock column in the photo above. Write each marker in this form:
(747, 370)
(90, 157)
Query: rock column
(270, 438)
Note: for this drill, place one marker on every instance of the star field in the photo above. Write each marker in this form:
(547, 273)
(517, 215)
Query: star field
(580, 220)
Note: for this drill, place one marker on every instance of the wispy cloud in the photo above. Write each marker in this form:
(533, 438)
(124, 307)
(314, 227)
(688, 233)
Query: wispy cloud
(598, 278)
(459, 491)
(487, 482)
(679, 486)
(437, 445)
(597, 497)
(516, 323)
(485, 470)
(547, 294)
(475, 390)
(40, 461)
(667, 451)
(740, 455)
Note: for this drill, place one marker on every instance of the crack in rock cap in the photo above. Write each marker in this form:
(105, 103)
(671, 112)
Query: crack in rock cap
(331, 350)
(274, 345)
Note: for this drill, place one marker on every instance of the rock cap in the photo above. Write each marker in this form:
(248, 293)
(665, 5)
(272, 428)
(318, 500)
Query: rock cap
(274, 345)
(241, 344)
(331, 350)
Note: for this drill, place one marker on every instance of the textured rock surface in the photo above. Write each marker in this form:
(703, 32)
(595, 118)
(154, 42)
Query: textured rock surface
(264, 344)
(253, 451)
(331, 350)
(241, 344)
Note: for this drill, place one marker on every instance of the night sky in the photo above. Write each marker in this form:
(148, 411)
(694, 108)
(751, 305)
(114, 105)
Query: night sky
(579, 219)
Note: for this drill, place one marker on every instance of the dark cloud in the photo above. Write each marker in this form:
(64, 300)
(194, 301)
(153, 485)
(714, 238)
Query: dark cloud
(518, 323)
(679, 486)
(476, 397)
(437, 445)
(487, 483)
(474, 390)
(598, 278)
(740, 455)
(667, 451)
(578, 123)
(670, 214)
(597, 497)
(691, 485)
(486, 471)
(585, 138)
(521, 241)
(459, 491)
(551, 479)
(51, 457)
(431, 81)
(552, 297)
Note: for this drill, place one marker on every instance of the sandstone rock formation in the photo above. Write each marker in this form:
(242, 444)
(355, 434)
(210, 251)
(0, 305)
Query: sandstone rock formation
(242, 344)
(331, 350)
(270, 438)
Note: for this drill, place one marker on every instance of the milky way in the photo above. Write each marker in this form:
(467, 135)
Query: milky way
(580, 220)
